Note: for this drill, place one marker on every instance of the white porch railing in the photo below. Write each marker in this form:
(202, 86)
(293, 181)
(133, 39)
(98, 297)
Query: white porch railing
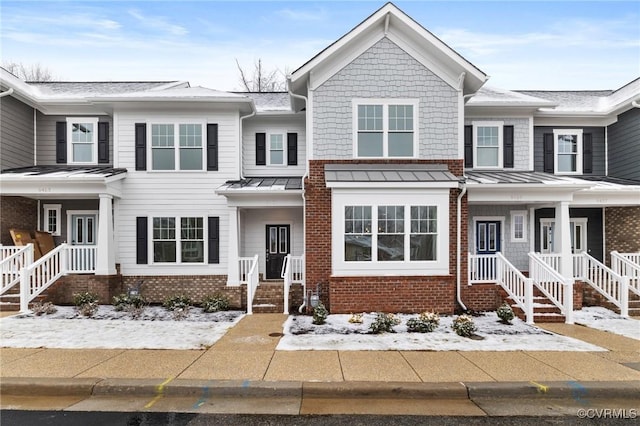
(519, 287)
(64, 259)
(554, 286)
(292, 273)
(482, 268)
(13, 259)
(627, 264)
(245, 266)
(606, 281)
(252, 279)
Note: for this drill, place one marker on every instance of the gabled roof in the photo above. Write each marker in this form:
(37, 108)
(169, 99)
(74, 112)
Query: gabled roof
(197, 93)
(390, 22)
(97, 88)
(270, 102)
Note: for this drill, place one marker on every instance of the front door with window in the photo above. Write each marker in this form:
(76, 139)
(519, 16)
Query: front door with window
(488, 236)
(278, 243)
(83, 229)
(578, 235)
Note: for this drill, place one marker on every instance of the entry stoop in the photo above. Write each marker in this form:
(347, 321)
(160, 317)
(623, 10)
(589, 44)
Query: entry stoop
(543, 309)
(269, 298)
(10, 301)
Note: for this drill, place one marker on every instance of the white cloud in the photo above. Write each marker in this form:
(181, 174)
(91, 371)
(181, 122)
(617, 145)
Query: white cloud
(302, 15)
(159, 23)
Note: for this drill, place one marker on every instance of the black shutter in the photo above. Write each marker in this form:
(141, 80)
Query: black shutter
(261, 149)
(61, 142)
(212, 147)
(468, 146)
(587, 153)
(141, 146)
(292, 149)
(507, 149)
(548, 152)
(103, 142)
(141, 241)
(214, 239)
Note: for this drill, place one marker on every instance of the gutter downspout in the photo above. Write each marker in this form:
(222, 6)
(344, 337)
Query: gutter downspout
(458, 238)
(304, 200)
(241, 159)
(6, 92)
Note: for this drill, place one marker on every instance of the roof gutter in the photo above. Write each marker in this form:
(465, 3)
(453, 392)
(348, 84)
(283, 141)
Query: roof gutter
(6, 92)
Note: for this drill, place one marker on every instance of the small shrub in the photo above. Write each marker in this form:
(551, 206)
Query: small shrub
(355, 319)
(46, 308)
(124, 302)
(384, 323)
(425, 323)
(177, 302)
(217, 302)
(505, 313)
(86, 303)
(320, 314)
(464, 326)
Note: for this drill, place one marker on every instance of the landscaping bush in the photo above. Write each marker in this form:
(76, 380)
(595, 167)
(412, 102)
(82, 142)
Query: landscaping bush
(177, 302)
(217, 302)
(86, 303)
(505, 313)
(46, 308)
(124, 302)
(320, 314)
(384, 323)
(464, 326)
(425, 323)
(355, 319)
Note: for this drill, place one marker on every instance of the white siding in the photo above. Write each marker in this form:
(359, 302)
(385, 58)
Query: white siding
(286, 124)
(149, 193)
(253, 231)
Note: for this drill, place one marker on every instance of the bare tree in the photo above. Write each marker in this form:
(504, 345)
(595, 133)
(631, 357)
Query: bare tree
(261, 80)
(29, 72)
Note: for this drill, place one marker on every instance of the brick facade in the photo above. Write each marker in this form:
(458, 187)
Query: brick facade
(394, 294)
(16, 212)
(105, 286)
(481, 297)
(622, 230)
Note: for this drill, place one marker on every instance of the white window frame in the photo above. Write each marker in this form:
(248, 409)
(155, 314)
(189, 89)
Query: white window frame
(57, 208)
(94, 143)
(178, 240)
(523, 214)
(556, 152)
(582, 221)
(176, 145)
(284, 148)
(389, 197)
(385, 102)
(500, 126)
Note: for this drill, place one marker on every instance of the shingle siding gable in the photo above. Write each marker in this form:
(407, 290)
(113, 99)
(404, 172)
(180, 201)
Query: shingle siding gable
(385, 71)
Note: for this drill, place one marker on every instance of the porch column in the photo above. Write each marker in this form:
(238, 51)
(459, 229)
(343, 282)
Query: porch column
(562, 239)
(105, 252)
(233, 268)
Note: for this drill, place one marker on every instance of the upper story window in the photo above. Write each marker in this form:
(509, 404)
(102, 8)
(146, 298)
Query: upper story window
(488, 144)
(184, 152)
(277, 153)
(82, 140)
(385, 127)
(568, 148)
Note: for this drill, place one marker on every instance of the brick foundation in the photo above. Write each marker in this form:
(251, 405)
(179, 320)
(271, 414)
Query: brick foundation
(622, 230)
(392, 294)
(16, 212)
(481, 297)
(105, 286)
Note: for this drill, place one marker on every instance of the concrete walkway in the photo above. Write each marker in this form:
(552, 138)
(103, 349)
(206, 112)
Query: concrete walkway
(246, 358)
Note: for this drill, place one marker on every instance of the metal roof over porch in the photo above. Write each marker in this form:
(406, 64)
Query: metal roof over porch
(386, 175)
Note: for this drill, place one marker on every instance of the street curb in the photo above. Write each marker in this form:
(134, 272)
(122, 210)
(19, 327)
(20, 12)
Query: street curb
(47, 386)
(386, 390)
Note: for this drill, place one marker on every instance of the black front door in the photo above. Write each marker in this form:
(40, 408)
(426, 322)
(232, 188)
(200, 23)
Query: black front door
(278, 243)
(488, 237)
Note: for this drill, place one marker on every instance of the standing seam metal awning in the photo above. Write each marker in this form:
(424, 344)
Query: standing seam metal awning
(409, 174)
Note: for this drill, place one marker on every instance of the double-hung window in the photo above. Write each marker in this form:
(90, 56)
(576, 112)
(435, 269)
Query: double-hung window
(178, 240)
(568, 148)
(52, 218)
(357, 233)
(385, 128)
(82, 140)
(277, 153)
(488, 143)
(177, 146)
(518, 226)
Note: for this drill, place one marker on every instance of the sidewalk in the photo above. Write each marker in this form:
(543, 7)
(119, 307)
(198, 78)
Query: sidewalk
(245, 362)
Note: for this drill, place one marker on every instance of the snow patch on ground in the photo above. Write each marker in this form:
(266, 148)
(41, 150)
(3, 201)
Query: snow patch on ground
(109, 329)
(339, 334)
(606, 320)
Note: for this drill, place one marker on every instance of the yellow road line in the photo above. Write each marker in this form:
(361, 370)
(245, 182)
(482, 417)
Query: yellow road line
(541, 388)
(159, 391)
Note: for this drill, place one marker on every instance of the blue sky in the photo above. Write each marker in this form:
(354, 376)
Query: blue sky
(555, 45)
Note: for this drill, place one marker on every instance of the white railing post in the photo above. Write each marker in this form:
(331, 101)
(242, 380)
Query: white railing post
(568, 301)
(25, 278)
(64, 259)
(624, 297)
(528, 300)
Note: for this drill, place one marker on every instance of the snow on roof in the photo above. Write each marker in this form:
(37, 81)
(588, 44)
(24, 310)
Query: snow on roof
(580, 100)
(57, 89)
(269, 101)
(197, 92)
(488, 95)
